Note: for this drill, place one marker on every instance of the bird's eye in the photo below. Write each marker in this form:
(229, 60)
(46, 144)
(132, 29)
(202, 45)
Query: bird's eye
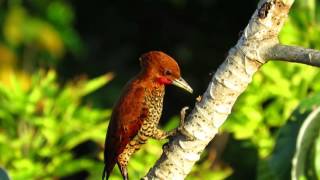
(167, 72)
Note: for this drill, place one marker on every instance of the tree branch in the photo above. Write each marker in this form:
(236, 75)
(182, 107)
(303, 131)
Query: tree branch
(229, 81)
(294, 54)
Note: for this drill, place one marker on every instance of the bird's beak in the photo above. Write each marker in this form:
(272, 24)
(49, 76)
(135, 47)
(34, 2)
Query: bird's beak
(182, 84)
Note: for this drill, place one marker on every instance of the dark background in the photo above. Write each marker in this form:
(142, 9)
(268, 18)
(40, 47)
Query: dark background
(198, 34)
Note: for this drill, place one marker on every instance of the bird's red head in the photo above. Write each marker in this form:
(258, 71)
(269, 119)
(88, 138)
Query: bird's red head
(163, 69)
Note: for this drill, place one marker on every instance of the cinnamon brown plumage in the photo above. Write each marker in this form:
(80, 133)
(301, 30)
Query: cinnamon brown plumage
(136, 115)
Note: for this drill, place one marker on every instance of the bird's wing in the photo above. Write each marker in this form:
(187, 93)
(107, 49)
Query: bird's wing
(126, 120)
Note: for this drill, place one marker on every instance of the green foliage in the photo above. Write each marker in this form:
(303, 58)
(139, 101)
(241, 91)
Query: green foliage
(259, 110)
(317, 157)
(41, 126)
(302, 27)
(302, 123)
(40, 38)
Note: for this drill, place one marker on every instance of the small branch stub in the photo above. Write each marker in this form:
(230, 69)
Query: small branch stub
(294, 54)
(264, 9)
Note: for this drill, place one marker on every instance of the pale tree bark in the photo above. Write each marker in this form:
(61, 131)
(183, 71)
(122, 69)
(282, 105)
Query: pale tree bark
(258, 43)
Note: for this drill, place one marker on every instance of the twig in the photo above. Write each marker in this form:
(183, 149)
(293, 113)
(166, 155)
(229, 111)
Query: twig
(294, 54)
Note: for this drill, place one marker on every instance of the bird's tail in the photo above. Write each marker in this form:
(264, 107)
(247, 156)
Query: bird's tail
(108, 167)
(105, 174)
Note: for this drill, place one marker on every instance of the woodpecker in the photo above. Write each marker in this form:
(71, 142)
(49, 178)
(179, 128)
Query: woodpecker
(135, 117)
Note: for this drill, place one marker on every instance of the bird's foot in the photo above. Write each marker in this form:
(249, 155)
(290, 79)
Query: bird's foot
(181, 128)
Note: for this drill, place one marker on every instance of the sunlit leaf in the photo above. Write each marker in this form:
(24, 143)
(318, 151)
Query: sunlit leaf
(95, 84)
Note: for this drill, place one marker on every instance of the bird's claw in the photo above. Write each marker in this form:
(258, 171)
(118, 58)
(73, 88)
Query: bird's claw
(186, 134)
(183, 114)
(181, 128)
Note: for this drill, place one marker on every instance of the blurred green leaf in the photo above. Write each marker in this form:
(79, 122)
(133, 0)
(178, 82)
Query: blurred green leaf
(96, 83)
(306, 138)
(60, 13)
(41, 126)
(3, 174)
(317, 157)
(278, 165)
